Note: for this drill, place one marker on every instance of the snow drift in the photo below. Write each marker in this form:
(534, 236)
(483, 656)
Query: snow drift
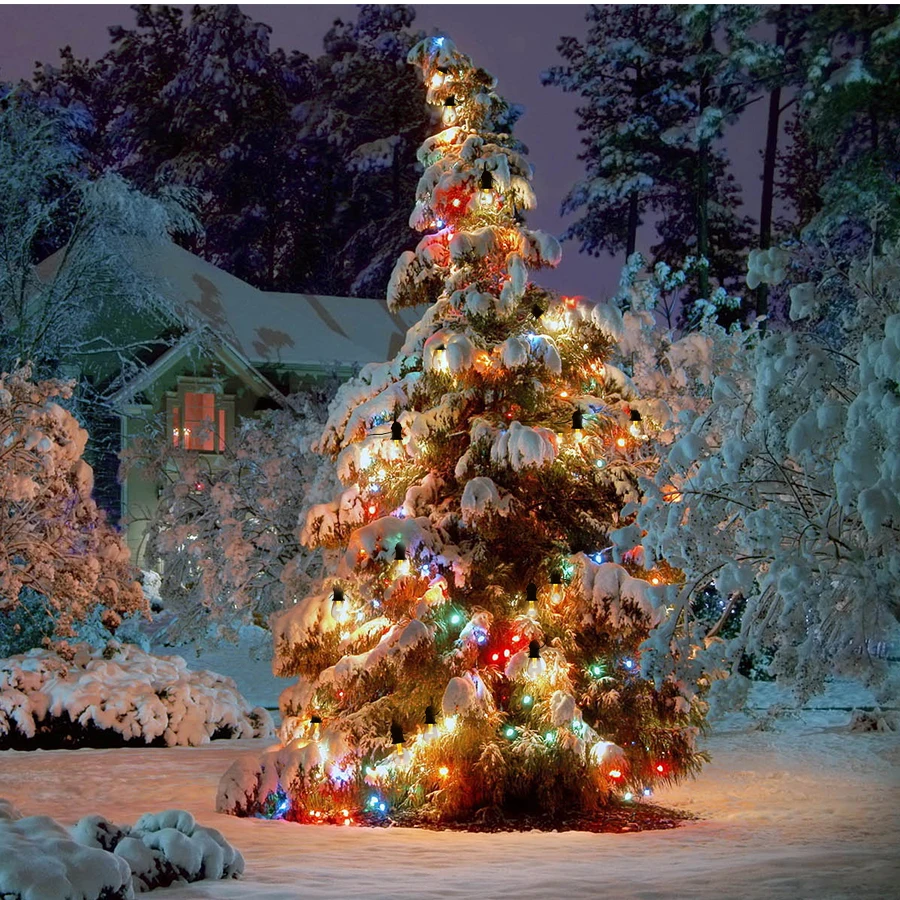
(118, 696)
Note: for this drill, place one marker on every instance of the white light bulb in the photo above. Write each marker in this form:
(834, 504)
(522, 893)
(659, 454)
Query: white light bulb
(536, 667)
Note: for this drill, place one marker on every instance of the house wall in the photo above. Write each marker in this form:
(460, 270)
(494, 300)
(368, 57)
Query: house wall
(242, 393)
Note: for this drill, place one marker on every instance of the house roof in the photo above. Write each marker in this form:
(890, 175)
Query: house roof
(267, 328)
(221, 349)
(272, 328)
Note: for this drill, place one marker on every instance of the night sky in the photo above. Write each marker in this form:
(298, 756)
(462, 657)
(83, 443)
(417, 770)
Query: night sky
(515, 43)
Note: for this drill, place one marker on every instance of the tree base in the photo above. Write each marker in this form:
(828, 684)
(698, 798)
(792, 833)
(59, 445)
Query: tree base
(616, 818)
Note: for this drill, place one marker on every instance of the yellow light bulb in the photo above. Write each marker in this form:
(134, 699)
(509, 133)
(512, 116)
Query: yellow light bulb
(437, 79)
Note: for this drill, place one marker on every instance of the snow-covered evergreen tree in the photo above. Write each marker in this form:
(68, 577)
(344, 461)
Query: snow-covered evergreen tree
(367, 120)
(849, 106)
(623, 72)
(469, 648)
(659, 85)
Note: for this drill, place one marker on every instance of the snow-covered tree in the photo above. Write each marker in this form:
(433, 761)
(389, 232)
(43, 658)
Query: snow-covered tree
(468, 647)
(784, 492)
(660, 85)
(70, 292)
(76, 303)
(713, 89)
(53, 538)
(850, 106)
(367, 120)
(225, 530)
(623, 71)
(297, 162)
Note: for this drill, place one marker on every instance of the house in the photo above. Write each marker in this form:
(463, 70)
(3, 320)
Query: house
(241, 350)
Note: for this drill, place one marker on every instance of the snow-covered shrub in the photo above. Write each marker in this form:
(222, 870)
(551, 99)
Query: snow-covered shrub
(53, 538)
(39, 860)
(784, 491)
(225, 535)
(118, 696)
(249, 782)
(97, 860)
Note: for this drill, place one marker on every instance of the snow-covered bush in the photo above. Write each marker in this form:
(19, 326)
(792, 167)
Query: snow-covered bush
(225, 534)
(784, 492)
(118, 696)
(97, 860)
(53, 538)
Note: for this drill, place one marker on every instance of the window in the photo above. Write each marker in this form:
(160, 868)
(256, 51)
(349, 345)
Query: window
(199, 419)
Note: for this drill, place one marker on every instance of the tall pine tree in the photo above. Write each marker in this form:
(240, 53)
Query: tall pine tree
(623, 72)
(469, 648)
(660, 84)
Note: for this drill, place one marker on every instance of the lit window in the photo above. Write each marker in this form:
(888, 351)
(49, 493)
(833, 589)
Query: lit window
(200, 426)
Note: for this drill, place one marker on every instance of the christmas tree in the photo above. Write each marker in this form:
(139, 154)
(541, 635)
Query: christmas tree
(472, 648)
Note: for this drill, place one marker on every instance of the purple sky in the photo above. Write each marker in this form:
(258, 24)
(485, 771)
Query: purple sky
(514, 43)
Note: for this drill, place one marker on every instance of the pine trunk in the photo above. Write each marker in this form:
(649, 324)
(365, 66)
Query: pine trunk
(703, 177)
(632, 224)
(768, 179)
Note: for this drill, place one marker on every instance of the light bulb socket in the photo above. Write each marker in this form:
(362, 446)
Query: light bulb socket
(577, 420)
(337, 595)
(430, 717)
(531, 593)
(486, 182)
(397, 734)
(450, 101)
(396, 431)
(537, 310)
(635, 416)
(400, 552)
(556, 577)
(315, 720)
(534, 650)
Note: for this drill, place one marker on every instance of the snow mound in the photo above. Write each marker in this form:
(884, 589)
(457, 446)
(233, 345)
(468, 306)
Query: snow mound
(41, 860)
(116, 696)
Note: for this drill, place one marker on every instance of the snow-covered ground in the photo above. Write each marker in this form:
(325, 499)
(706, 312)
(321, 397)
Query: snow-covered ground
(808, 810)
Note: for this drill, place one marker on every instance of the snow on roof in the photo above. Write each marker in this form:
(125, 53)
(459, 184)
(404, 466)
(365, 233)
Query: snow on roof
(269, 328)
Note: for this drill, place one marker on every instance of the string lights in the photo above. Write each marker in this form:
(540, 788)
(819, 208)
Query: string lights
(523, 358)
